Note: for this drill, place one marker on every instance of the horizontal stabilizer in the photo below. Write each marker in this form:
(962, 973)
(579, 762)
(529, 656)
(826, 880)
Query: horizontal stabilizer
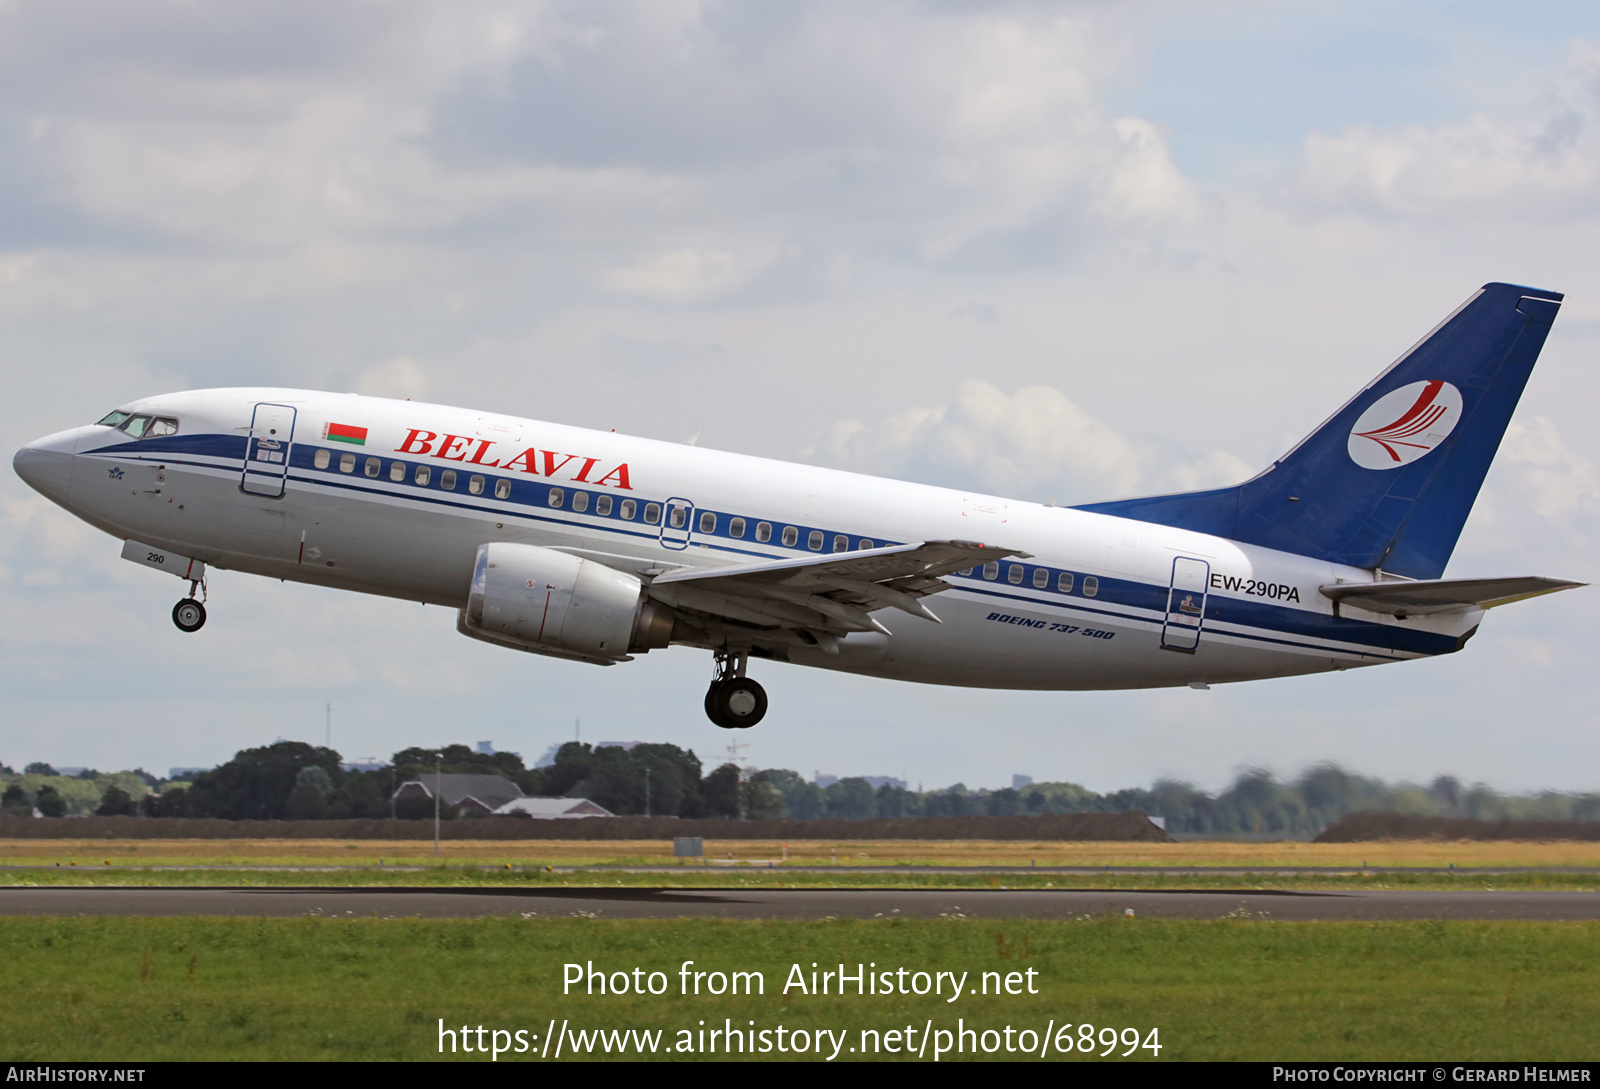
(1419, 598)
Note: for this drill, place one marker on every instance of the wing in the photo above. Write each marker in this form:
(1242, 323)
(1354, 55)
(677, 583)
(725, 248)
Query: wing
(1404, 598)
(811, 600)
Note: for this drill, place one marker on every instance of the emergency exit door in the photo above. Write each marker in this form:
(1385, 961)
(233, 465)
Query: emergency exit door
(677, 523)
(1186, 605)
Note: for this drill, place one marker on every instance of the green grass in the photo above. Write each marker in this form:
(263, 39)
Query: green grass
(147, 989)
(695, 877)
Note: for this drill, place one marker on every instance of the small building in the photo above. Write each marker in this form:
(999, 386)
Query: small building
(474, 795)
(552, 808)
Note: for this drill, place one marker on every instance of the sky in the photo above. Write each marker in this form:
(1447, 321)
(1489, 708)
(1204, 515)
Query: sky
(1055, 251)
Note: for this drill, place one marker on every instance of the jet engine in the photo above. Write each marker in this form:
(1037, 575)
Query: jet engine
(551, 602)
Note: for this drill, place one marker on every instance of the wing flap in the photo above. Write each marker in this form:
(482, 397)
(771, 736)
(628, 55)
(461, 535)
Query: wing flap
(833, 592)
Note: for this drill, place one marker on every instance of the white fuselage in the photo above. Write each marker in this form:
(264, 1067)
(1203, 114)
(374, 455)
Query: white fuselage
(1085, 610)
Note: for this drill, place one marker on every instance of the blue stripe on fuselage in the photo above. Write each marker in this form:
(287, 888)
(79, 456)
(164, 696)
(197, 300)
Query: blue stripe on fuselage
(1150, 598)
(1277, 619)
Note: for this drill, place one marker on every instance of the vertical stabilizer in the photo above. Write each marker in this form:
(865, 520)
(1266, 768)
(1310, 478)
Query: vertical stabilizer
(1387, 482)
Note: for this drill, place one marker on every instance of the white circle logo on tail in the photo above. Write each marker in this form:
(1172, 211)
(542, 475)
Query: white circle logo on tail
(1404, 424)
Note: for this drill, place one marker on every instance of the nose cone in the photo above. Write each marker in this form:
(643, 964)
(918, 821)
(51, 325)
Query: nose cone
(45, 465)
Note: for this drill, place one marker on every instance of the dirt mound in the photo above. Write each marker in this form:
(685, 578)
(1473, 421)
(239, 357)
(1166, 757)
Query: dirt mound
(1129, 826)
(1366, 827)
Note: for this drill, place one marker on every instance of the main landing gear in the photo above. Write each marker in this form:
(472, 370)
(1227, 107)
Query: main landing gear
(734, 701)
(189, 614)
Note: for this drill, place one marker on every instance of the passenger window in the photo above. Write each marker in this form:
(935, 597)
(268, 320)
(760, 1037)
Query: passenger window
(864, 543)
(136, 425)
(557, 497)
(602, 506)
(965, 571)
(1015, 574)
(422, 476)
(1091, 586)
(628, 507)
(447, 480)
(652, 513)
(321, 459)
(397, 471)
(763, 532)
(736, 527)
(678, 517)
(991, 570)
(814, 540)
(373, 467)
(475, 484)
(163, 425)
(580, 501)
(1064, 582)
(1041, 578)
(790, 536)
(113, 419)
(347, 463)
(708, 522)
(841, 543)
(502, 489)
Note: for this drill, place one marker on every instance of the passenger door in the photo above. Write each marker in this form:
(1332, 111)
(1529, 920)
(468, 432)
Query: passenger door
(266, 452)
(1186, 605)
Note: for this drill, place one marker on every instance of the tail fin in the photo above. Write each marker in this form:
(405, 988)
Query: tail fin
(1388, 481)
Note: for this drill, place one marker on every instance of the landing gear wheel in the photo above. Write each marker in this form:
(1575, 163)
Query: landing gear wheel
(189, 615)
(736, 703)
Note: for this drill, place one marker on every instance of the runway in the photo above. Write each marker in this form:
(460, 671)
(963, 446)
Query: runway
(647, 903)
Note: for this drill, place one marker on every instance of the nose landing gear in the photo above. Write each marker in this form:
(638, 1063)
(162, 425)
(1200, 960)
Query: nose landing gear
(734, 701)
(190, 615)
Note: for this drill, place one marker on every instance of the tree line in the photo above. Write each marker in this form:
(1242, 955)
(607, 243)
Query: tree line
(291, 780)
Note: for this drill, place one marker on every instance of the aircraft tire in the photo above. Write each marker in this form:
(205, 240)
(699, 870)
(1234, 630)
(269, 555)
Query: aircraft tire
(737, 703)
(189, 615)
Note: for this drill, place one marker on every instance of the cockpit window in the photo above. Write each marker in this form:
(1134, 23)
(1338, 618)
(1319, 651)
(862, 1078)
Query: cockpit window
(113, 419)
(147, 427)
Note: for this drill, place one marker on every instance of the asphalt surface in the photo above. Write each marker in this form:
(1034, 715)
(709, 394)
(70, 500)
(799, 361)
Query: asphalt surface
(644, 903)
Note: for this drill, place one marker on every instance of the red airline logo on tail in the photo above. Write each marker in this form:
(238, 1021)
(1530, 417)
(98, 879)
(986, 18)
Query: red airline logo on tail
(1404, 424)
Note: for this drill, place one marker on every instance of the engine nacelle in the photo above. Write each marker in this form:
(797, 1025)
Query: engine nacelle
(555, 603)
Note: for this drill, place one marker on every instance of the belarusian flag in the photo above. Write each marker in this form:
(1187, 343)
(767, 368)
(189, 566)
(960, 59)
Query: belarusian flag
(356, 436)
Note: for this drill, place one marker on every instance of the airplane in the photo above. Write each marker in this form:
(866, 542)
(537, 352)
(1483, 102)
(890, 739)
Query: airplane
(594, 547)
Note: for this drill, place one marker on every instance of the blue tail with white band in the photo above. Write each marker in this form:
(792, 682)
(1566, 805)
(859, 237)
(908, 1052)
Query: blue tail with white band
(1388, 481)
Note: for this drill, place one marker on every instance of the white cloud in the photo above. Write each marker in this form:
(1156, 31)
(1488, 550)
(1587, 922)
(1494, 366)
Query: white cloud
(1540, 505)
(1536, 161)
(402, 378)
(1034, 443)
(1554, 481)
(683, 276)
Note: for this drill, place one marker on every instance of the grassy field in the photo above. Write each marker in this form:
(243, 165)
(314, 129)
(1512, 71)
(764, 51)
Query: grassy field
(864, 852)
(148, 989)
